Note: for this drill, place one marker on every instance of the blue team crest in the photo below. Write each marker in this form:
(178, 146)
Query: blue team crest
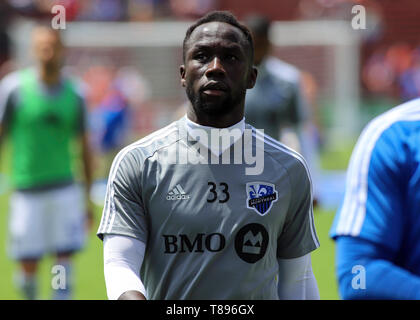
(260, 196)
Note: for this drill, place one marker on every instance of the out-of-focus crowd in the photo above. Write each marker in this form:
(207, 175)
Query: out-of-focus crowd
(393, 71)
(112, 10)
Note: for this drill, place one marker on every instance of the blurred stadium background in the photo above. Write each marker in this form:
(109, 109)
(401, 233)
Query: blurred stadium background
(127, 53)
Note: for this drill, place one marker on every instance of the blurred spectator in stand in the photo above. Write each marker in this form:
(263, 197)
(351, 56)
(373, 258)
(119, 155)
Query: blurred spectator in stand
(141, 10)
(103, 10)
(409, 80)
(399, 57)
(192, 8)
(393, 72)
(134, 86)
(148, 10)
(42, 8)
(378, 74)
(108, 113)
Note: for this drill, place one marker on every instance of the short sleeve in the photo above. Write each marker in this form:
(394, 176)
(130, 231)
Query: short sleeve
(298, 236)
(8, 92)
(372, 206)
(123, 212)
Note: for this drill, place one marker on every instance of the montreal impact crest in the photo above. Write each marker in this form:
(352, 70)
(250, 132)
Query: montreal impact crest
(260, 196)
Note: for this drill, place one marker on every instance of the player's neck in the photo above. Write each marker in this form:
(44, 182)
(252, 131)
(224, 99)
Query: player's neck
(216, 121)
(191, 125)
(49, 76)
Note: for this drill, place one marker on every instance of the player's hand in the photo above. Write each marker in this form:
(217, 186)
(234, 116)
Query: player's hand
(132, 295)
(90, 219)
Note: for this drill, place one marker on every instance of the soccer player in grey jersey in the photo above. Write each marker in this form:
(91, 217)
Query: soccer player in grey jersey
(176, 230)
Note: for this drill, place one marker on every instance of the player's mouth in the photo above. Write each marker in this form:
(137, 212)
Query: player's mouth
(214, 88)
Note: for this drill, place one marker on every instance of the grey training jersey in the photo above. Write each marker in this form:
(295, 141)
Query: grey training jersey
(211, 230)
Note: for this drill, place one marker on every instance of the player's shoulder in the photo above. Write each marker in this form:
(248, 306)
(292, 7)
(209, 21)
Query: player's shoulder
(293, 162)
(145, 147)
(393, 125)
(77, 84)
(10, 82)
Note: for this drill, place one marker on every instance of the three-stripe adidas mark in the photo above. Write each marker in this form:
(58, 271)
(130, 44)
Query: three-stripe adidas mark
(177, 193)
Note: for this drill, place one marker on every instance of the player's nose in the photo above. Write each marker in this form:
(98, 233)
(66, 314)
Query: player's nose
(215, 68)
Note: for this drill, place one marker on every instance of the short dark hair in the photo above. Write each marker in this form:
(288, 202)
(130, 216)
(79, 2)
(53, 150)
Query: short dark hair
(219, 16)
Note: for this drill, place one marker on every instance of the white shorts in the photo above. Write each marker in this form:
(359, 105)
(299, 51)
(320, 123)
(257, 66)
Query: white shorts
(50, 221)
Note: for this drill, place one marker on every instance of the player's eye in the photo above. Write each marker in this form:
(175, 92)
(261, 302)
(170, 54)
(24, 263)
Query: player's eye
(232, 57)
(200, 56)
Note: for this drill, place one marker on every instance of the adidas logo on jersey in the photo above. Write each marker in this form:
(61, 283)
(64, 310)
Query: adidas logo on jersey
(177, 193)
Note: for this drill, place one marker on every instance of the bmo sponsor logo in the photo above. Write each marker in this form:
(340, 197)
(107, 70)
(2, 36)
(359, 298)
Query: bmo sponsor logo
(213, 242)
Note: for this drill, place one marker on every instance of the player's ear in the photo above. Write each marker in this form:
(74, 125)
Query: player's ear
(182, 72)
(252, 77)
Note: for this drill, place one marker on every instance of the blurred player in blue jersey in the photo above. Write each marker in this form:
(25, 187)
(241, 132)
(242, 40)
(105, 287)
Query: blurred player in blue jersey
(377, 229)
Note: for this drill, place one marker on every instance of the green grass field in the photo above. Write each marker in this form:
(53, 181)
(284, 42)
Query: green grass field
(89, 268)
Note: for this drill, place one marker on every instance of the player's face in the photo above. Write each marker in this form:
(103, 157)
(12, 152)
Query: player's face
(47, 47)
(217, 69)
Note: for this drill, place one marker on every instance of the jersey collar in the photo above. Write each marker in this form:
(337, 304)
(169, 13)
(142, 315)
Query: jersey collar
(217, 149)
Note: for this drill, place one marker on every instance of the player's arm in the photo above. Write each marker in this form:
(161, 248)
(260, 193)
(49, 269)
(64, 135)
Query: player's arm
(297, 239)
(123, 227)
(86, 157)
(296, 281)
(87, 160)
(123, 257)
(365, 271)
(369, 227)
(7, 102)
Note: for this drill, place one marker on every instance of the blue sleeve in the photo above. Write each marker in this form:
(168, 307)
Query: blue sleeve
(370, 225)
(365, 271)
(373, 205)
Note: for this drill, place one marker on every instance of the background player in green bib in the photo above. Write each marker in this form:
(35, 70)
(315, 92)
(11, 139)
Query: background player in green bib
(42, 114)
(210, 229)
